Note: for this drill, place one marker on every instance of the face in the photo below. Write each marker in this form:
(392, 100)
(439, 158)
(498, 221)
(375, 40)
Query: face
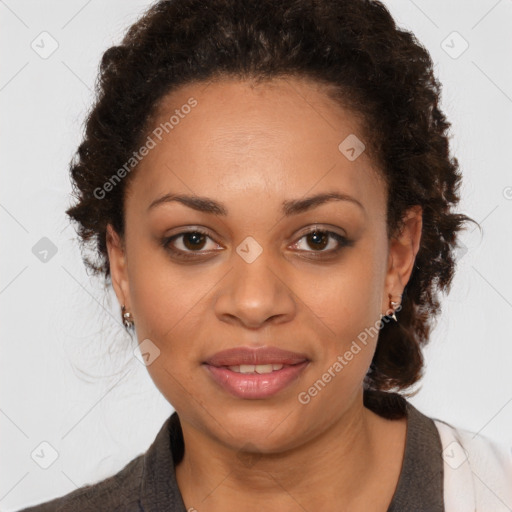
(256, 264)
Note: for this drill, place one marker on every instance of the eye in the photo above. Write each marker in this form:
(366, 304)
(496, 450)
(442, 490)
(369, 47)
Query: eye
(184, 244)
(323, 241)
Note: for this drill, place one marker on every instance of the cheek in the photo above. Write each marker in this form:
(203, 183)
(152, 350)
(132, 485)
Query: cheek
(347, 298)
(347, 313)
(161, 301)
(169, 309)
(164, 296)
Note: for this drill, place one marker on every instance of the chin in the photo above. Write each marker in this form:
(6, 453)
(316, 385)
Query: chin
(269, 429)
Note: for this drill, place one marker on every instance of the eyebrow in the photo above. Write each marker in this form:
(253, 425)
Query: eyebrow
(289, 207)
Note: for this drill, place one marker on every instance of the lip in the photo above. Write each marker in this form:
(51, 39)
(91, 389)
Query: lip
(255, 386)
(262, 355)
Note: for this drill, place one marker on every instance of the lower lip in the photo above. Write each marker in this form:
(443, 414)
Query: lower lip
(254, 386)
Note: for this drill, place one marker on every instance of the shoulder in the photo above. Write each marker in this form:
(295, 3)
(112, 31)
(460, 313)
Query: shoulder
(117, 492)
(146, 482)
(477, 470)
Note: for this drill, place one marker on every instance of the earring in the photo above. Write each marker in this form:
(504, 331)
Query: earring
(127, 317)
(394, 306)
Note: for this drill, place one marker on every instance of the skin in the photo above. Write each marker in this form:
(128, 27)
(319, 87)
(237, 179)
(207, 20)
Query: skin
(251, 148)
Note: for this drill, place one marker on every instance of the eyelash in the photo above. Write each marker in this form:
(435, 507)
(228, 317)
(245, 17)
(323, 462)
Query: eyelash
(189, 255)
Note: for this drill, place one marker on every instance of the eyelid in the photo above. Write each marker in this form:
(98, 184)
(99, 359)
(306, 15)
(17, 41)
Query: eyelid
(321, 228)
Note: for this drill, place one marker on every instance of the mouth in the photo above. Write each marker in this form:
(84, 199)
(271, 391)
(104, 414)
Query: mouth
(260, 369)
(255, 373)
(255, 382)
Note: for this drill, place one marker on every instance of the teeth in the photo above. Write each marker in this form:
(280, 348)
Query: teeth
(256, 368)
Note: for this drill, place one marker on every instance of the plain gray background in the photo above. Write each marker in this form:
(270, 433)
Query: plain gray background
(66, 378)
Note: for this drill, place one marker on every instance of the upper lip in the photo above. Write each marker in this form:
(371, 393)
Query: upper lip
(254, 356)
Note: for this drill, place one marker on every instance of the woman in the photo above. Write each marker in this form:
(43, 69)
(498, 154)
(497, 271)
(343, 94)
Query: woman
(269, 191)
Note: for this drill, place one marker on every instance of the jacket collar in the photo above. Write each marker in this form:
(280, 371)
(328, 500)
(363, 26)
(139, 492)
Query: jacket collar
(159, 489)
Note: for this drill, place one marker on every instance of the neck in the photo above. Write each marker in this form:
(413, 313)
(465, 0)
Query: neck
(334, 466)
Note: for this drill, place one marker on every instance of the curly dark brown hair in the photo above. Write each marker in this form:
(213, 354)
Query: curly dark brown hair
(366, 63)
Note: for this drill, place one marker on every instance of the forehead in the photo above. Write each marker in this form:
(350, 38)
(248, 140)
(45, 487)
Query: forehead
(277, 138)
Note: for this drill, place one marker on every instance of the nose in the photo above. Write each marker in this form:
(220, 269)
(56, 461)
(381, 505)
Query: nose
(255, 293)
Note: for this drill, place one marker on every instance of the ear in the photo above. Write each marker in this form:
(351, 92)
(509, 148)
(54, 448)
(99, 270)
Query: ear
(402, 254)
(118, 268)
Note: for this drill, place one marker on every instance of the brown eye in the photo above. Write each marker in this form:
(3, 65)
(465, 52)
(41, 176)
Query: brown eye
(194, 240)
(190, 244)
(318, 240)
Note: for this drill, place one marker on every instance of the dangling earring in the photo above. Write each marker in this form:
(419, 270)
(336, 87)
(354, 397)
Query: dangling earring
(394, 306)
(127, 317)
